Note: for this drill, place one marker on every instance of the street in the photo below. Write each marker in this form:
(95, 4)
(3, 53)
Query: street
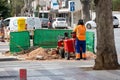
(117, 39)
(57, 69)
(116, 35)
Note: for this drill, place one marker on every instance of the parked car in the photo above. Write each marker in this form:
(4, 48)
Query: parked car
(115, 22)
(59, 22)
(44, 22)
(92, 24)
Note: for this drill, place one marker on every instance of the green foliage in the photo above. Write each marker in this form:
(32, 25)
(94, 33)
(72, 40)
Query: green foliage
(37, 8)
(116, 5)
(4, 8)
(16, 6)
(10, 9)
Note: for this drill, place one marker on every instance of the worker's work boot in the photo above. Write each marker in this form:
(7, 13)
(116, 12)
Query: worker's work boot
(84, 56)
(77, 56)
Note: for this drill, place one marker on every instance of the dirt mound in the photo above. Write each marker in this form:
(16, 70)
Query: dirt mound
(43, 54)
(90, 55)
(38, 53)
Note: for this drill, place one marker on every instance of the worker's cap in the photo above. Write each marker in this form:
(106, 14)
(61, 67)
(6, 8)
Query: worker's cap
(80, 22)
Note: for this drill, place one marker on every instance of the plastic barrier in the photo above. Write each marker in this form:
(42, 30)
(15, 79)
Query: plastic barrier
(90, 41)
(47, 38)
(19, 41)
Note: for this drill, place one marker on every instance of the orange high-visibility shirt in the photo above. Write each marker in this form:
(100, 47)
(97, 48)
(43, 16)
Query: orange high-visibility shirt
(80, 32)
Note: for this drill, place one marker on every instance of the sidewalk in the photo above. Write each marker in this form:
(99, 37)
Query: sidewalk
(7, 58)
(56, 70)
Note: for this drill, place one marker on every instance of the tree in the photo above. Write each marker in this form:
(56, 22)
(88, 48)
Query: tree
(116, 5)
(27, 9)
(4, 9)
(85, 10)
(106, 51)
(16, 6)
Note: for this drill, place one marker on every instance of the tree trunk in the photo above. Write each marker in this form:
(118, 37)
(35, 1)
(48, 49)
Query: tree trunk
(106, 51)
(85, 10)
(27, 9)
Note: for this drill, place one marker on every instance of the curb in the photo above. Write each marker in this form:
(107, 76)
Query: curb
(2, 58)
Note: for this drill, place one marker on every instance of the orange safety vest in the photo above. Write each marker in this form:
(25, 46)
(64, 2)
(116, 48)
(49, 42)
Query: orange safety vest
(80, 32)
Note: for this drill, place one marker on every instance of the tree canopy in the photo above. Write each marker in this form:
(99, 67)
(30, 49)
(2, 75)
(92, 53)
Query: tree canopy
(116, 5)
(4, 8)
(16, 6)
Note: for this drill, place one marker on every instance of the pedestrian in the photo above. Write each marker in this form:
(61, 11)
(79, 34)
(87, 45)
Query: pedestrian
(80, 42)
(50, 18)
(2, 26)
(50, 25)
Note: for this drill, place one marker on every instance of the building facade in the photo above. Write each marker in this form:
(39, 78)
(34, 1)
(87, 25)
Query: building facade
(56, 8)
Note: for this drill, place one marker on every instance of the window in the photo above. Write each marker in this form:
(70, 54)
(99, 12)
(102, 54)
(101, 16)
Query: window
(61, 19)
(114, 17)
(7, 22)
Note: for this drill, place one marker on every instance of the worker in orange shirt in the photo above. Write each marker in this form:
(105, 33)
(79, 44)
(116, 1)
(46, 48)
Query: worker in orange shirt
(80, 42)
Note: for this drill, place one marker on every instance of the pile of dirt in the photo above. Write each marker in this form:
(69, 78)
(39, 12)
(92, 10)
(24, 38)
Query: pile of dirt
(38, 53)
(42, 54)
(90, 55)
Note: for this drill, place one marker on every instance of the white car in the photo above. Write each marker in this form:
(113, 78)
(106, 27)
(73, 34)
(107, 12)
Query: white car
(92, 24)
(59, 22)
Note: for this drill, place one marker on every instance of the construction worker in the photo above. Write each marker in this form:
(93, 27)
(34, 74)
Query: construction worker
(80, 43)
(2, 29)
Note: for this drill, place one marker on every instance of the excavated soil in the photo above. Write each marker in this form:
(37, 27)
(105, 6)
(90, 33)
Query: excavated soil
(38, 53)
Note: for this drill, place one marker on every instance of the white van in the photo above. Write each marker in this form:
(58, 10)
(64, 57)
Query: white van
(31, 23)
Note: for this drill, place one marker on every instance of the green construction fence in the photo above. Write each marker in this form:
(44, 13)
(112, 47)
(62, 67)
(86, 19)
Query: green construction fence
(47, 38)
(90, 37)
(19, 41)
